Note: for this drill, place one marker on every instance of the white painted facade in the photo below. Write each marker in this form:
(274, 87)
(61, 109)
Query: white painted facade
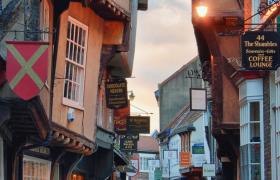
(171, 166)
(198, 137)
(174, 164)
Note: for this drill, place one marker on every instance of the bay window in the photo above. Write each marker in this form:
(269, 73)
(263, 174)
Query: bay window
(251, 130)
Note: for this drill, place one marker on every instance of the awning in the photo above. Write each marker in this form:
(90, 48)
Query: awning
(104, 138)
(127, 168)
(120, 158)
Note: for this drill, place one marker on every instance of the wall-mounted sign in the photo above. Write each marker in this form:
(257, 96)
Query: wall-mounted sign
(138, 124)
(134, 162)
(27, 67)
(208, 170)
(260, 50)
(198, 148)
(158, 174)
(120, 118)
(128, 143)
(198, 99)
(116, 93)
(185, 159)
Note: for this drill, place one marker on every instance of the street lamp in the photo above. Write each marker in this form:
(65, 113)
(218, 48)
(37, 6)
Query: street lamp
(131, 95)
(201, 10)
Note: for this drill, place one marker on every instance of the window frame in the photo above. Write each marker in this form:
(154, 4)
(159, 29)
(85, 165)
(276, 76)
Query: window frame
(66, 101)
(35, 159)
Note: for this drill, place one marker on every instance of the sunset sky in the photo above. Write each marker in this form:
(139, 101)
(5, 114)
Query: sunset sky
(164, 42)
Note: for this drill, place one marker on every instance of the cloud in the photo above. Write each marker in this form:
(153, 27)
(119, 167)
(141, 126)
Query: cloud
(164, 42)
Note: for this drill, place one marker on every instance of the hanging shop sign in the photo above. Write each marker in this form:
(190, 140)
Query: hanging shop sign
(120, 119)
(138, 124)
(128, 143)
(260, 50)
(185, 159)
(27, 67)
(198, 99)
(116, 93)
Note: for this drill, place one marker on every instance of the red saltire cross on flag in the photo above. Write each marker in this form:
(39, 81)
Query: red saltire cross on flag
(27, 67)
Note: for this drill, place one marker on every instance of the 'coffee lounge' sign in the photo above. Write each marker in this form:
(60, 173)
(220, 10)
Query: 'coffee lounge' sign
(260, 50)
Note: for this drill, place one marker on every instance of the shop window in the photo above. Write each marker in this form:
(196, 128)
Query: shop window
(144, 163)
(35, 168)
(76, 47)
(76, 176)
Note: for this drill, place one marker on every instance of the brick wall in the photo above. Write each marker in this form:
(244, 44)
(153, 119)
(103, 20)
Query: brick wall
(267, 142)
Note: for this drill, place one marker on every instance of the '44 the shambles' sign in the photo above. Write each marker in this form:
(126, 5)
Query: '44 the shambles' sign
(260, 50)
(116, 93)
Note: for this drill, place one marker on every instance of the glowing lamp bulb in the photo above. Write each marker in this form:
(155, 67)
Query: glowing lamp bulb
(201, 10)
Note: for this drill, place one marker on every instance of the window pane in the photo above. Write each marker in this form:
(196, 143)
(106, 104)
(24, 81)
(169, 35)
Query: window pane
(80, 36)
(68, 30)
(75, 53)
(36, 169)
(245, 172)
(254, 111)
(79, 55)
(255, 153)
(72, 31)
(71, 51)
(244, 155)
(255, 172)
(67, 49)
(255, 132)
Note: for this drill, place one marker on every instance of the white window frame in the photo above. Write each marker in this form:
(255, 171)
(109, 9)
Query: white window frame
(144, 159)
(1, 159)
(79, 103)
(34, 159)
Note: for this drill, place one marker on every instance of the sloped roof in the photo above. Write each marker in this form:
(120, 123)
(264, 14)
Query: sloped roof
(183, 118)
(147, 144)
(196, 58)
